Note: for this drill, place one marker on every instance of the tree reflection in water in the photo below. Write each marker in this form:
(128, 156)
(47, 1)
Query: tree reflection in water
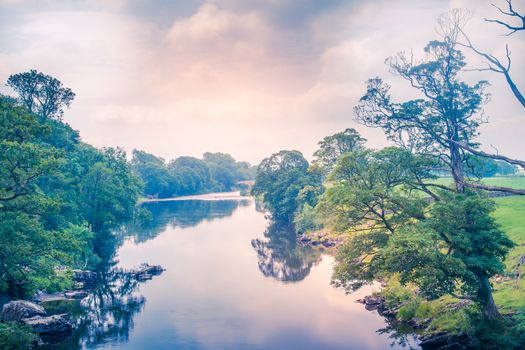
(184, 213)
(106, 314)
(281, 257)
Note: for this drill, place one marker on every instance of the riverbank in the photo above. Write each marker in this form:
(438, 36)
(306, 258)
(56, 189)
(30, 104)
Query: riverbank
(214, 196)
(36, 324)
(448, 317)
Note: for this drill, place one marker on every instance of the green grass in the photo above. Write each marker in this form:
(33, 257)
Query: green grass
(510, 214)
(517, 181)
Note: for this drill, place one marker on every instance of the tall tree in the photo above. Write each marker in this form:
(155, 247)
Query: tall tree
(41, 94)
(444, 122)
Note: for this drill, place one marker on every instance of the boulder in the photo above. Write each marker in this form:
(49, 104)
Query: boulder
(145, 271)
(445, 341)
(86, 277)
(49, 325)
(20, 309)
(77, 294)
(372, 300)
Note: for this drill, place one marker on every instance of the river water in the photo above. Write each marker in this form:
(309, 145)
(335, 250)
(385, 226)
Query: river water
(232, 281)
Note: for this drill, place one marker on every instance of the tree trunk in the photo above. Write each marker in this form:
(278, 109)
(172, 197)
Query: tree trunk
(489, 308)
(457, 168)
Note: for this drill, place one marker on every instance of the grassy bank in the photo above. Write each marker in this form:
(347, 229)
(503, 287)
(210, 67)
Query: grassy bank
(510, 294)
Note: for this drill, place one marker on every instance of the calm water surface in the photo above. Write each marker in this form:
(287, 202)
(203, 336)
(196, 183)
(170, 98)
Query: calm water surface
(231, 282)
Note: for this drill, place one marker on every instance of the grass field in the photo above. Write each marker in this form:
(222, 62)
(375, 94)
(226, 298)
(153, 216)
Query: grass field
(510, 214)
(503, 181)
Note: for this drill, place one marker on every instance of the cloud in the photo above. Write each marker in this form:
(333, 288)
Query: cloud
(248, 78)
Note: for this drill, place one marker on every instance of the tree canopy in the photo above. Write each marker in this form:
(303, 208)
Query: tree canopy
(59, 197)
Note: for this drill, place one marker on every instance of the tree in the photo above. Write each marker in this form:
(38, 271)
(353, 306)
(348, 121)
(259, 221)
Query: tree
(372, 190)
(491, 61)
(109, 191)
(32, 244)
(451, 244)
(444, 122)
(24, 160)
(279, 180)
(152, 170)
(334, 146)
(41, 94)
(456, 243)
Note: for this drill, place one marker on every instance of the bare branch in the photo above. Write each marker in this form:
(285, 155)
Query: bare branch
(476, 152)
(511, 12)
(494, 64)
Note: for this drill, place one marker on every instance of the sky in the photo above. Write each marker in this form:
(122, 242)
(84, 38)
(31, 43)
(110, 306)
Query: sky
(245, 77)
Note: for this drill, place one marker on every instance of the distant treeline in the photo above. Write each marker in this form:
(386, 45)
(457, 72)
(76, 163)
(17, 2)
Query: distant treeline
(215, 172)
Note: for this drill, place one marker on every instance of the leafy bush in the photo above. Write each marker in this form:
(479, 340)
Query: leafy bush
(14, 336)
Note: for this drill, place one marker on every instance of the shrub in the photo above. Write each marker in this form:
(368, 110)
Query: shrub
(14, 336)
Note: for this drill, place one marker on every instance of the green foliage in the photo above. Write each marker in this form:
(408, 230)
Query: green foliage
(279, 181)
(373, 188)
(306, 219)
(188, 175)
(480, 167)
(41, 94)
(395, 294)
(14, 336)
(59, 197)
(334, 146)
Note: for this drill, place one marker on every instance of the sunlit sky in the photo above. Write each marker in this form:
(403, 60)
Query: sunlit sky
(238, 76)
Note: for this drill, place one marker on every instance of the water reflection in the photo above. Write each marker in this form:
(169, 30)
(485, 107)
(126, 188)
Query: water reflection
(181, 214)
(213, 294)
(106, 315)
(281, 257)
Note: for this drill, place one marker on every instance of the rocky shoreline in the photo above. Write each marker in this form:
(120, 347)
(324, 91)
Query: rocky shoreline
(55, 328)
(432, 341)
(435, 341)
(320, 239)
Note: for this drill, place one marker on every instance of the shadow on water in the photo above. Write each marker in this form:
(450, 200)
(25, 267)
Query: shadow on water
(281, 257)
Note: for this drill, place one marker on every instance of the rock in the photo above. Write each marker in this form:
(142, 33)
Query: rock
(78, 294)
(434, 341)
(460, 304)
(86, 277)
(20, 309)
(373, 300)
(146, 272)
(42, 297)
(49, 325)
(418, 323)
(78, 285)
(445, 341)
(388, 312)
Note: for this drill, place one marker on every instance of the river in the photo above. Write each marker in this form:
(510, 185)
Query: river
(232, 281)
